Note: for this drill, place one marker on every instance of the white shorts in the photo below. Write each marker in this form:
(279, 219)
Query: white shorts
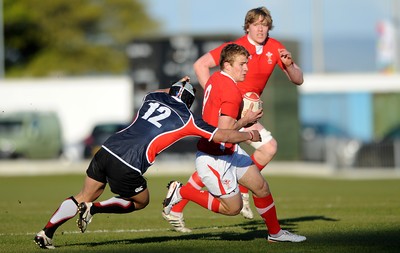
(220, 174)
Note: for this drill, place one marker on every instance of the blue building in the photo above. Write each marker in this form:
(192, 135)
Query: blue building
(365, 106)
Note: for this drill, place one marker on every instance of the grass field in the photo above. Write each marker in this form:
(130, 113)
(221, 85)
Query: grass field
(336, 215)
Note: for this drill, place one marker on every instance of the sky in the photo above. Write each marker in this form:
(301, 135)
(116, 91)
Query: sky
(348, 28)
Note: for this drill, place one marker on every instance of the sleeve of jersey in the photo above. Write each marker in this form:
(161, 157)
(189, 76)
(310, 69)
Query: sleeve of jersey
(203, 129)
(230, 109)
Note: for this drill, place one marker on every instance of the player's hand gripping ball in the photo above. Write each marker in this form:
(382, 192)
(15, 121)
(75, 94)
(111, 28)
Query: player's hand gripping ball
(248, 99)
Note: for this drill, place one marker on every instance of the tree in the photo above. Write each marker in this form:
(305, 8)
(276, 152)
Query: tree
(71, 37)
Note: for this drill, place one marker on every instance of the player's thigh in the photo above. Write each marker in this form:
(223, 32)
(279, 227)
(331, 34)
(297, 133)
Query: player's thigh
(91, 190)
(231, 205)
(255, 182)
(141, 200)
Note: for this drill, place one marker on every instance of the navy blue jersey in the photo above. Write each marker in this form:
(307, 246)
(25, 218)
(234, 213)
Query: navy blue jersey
(161, 121)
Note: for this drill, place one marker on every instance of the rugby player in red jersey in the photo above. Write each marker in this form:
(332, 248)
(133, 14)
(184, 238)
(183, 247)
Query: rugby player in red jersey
(265, 53)
(221, 166)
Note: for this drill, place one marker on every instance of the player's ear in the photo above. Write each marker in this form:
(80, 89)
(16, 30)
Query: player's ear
(227, 65)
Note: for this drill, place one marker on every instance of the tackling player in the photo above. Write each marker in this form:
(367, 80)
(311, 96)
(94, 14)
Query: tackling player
(163, 119)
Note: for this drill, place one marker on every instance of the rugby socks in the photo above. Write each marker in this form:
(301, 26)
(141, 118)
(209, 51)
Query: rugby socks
(67, 210)
(266, 208)
(243, 190)
(202, 198)
(113, 205)
(259, 166)
(194, 182)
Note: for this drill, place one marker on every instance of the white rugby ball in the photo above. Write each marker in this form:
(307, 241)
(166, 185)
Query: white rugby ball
(248, 99)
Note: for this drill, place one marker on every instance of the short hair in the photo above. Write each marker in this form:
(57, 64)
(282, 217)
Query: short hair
(253, 15)
(229, 52)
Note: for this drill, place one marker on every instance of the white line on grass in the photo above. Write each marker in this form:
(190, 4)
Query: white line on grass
(106, 231)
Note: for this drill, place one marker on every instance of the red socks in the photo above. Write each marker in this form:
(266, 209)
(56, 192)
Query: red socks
(259, 166)
(266, 208)
(243, 189)
(194, 182)
(202, 198)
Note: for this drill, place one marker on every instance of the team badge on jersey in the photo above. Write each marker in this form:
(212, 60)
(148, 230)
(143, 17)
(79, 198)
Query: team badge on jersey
(269, 55)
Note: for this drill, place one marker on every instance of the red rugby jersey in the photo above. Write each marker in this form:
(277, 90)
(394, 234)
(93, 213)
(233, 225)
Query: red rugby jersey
(221, 97)
(261, 64)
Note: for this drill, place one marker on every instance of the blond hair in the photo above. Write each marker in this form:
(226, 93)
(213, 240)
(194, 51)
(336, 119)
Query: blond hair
(253, 16)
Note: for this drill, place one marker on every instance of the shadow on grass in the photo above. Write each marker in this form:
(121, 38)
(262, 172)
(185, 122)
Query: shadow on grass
(354, 241)
(288, 224)
(255, 229)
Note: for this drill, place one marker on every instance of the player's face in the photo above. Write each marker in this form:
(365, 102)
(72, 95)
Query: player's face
(258, 31)
(238, 69)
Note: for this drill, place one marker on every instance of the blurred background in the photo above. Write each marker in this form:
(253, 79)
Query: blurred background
(73, 72)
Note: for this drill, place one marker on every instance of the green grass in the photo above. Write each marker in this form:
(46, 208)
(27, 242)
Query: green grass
(336, 215)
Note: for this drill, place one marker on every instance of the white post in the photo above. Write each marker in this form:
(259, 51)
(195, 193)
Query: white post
(396, 154)
(396, 23)
(318, 37)
(2, 51)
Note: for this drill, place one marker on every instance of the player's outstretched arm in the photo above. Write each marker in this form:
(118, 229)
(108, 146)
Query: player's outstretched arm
(233, 136)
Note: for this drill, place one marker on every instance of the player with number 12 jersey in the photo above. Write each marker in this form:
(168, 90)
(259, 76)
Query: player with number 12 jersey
(161, 121)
